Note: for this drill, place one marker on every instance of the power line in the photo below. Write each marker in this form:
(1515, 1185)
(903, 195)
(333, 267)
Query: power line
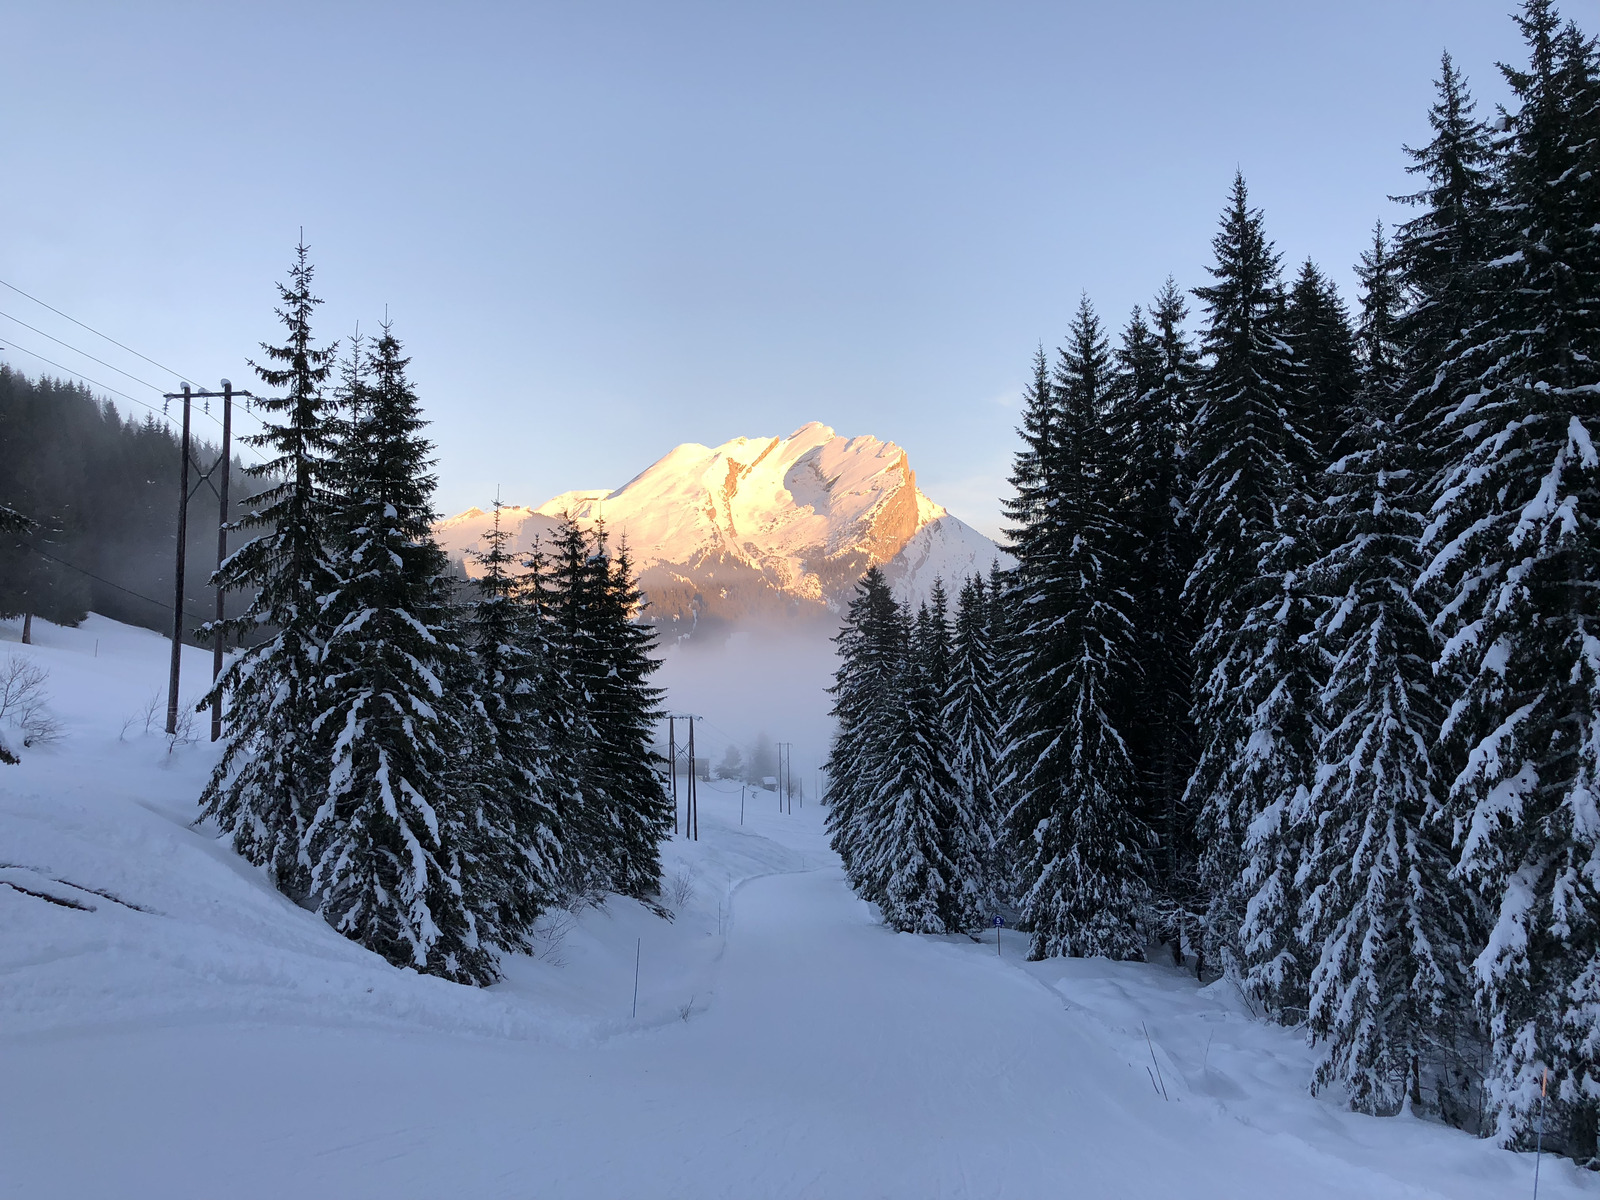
(85, 353)
(79, 375)
(160, 412)
(176, 374)
(179, 375)
(161, 604)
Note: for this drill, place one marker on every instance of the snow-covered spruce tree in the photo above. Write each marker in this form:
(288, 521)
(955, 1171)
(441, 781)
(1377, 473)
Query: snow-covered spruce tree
(905, 851)
(1440, 253)
(268, 781)
(1282, 686)
(972, 721)
(561, 579)
(936, 635)
(600, 711)
(1004, 620)
(626, 771)
(1379, 911)
(386, 841)
(1082, 849)
(1249, 502)
(517, 860)
(1514, 541)
(1150, 418)
(965, 835)
(864, 686)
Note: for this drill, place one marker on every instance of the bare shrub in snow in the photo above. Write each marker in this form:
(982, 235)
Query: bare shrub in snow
(144, 717)
(149, 709)
(183, 734)
(578, 899)
(549, 935)
(23, 701)
(21, 685)
(40, 727)
(680, 888)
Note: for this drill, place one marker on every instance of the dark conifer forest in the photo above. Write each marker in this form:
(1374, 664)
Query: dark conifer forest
(1297, 677)
(100, 493)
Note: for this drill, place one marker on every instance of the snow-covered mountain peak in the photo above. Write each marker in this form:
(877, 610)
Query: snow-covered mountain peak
(758, 524)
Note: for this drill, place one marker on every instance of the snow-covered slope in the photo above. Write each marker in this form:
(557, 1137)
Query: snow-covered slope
(945, 548)
(762, 526)
(171, 1027)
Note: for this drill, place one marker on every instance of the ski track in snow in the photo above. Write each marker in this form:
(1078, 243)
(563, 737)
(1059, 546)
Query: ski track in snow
(217, 1041)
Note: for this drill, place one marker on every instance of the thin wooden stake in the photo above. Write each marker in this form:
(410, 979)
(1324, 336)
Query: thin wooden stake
(1538, 1151)
(1151, 1044)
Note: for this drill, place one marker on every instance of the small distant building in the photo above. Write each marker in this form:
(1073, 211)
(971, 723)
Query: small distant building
(770, 782)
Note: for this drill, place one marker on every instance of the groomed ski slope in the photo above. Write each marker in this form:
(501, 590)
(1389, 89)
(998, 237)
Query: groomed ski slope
(216, 1041)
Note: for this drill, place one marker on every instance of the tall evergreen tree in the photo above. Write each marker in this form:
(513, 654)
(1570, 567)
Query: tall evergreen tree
(1440, 252)
(626, 771)
(972, 719)
(1379, 908)
(910, 855)
(267, 783)
(937, 634)
(387, 841)
(864, 686)
(601, 711)
(1248, 504)
(516, 848)
(1081, 846)
(1318, 328)
(1151, 418)
(1514, 546)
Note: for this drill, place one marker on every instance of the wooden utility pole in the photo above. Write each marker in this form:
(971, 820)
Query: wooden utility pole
(222, 552)
(188, 395)
(672, 765)
(786, 776)
(694, 796)
(177, 573)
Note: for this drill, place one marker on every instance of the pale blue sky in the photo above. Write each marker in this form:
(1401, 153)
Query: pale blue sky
(603, 229)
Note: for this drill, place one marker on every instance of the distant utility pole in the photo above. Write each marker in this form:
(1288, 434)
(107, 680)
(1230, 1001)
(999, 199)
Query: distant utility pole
(188, 395)
(691, 806)
(694, 791)
(786, 776)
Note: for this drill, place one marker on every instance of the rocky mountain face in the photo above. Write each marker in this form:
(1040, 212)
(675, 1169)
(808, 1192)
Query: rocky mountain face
(762, 528)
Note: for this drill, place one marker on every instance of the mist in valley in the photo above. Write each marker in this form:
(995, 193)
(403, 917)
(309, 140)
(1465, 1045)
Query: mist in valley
(761, 680)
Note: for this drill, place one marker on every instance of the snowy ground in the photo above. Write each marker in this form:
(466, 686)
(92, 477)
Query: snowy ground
(185, 1032)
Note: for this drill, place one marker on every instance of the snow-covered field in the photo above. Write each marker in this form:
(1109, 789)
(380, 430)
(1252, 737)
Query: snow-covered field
(177, 1029)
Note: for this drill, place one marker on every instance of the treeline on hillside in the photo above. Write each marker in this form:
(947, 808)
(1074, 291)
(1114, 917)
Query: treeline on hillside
(425, 770)
(1299, 668)
(101, 494)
